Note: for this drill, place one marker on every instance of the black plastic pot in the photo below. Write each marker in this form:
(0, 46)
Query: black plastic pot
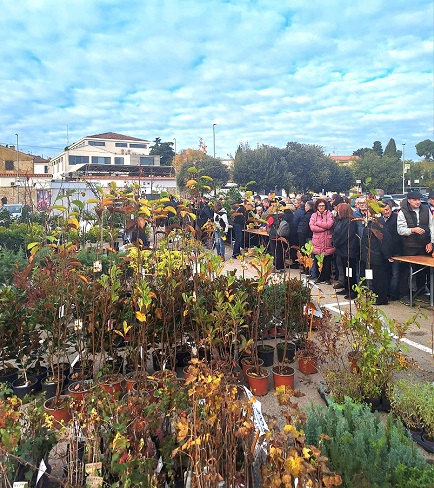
(21, 388)
(50, 387)
(8, 375)
(181, 356)
(40, 373)
(290, 351)
(266, 353)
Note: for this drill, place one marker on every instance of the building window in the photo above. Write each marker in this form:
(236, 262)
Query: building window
(100, 160)
(139, 146)
(147, 161)
(96, 143)
(78, 159)
(9, 165)
(121, 144)
(46, 169)
(119, 160)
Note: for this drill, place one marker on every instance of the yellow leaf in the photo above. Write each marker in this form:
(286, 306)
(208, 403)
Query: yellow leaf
(141, 317)
(170, 209)
(91, 200)
(190, 183)
(182, 427)
(145, 210)
(106, 201)
(73, 223)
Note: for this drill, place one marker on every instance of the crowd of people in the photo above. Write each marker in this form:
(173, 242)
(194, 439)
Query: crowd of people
(349, 244)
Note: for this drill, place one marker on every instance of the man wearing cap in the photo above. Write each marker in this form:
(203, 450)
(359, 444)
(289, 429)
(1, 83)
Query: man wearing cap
(415, 225)
(431, 202)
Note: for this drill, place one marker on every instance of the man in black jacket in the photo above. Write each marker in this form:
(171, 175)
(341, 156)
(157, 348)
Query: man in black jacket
(415, 227)
(390, 220)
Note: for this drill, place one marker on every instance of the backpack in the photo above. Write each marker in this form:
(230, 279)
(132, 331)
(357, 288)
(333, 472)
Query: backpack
(283, 229)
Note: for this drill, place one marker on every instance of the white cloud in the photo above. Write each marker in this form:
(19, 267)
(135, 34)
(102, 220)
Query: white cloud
(337, 74)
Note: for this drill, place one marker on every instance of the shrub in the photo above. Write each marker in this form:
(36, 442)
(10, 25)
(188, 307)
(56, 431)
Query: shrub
(361, 448)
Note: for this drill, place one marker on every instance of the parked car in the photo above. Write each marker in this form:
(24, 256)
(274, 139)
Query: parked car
(15, 209)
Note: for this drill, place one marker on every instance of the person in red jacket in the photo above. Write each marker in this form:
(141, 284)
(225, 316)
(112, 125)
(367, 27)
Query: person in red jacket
(321, 224)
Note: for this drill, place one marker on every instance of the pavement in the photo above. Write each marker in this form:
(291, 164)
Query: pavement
(419, 338)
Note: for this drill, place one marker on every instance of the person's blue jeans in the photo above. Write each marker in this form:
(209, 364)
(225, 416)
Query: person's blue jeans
(394, 285)
(219, 244)
(237, 232)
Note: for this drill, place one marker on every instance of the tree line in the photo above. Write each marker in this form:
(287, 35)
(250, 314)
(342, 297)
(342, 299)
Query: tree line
(303, 167)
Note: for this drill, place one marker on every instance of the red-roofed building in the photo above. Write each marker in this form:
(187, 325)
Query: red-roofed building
(343, 160)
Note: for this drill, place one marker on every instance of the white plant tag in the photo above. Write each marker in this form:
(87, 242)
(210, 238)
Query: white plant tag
(20, 484)
(349, 272)
(74, 362)
(369, 275)
(97, 266)
(42, 468)
(61, 311)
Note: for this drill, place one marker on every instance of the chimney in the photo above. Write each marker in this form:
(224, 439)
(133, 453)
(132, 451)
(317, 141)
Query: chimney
(12, 147)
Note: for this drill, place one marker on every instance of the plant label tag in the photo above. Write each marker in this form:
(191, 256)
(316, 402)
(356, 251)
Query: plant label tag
(141, 352)
(97, 266)
(369, 275)
(94, 481)
(74, 362)
(349, 272)
(41, 470)
(61, 311)
(110, 323)
(78, 324)
(92, 468)
(159, 465)
(20, 484)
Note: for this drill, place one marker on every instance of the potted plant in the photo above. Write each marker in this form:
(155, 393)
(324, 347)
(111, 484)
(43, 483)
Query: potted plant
(257, 376)
(10, 309)
(405, 398)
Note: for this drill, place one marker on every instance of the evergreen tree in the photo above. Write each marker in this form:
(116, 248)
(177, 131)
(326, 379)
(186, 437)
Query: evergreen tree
(378, 148)
(391, 150)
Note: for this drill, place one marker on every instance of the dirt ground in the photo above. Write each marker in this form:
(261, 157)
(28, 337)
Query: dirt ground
(419, 340)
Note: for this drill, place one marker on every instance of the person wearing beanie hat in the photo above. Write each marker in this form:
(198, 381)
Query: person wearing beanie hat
(416, 226)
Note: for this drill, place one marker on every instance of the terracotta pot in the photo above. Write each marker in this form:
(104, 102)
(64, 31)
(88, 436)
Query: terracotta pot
(146, 385)
(247, 362)
(274, 333)
(164, 375)
(79, 389)
(283, 376)
(258, 384)
(130, 381)
(307, 365)
(61, 412)
(111, 383)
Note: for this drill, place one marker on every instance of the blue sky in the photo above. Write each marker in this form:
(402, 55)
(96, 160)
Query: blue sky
(336, 73)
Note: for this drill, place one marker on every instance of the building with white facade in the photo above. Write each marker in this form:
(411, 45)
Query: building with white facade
(107, 157)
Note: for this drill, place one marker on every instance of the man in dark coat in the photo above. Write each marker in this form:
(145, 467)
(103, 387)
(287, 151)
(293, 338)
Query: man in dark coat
(390, 220)
(415, 227)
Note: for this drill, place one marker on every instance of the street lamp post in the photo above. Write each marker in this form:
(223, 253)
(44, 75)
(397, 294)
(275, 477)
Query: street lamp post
(18, 172)
(213, 137)
(174, 140)
(403, 169)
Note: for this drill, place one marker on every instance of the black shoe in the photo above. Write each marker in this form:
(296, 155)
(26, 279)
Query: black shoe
(339, 285)
(351, 296)
(342, 292)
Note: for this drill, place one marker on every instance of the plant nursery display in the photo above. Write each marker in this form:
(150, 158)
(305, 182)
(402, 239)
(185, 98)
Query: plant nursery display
(144, 366)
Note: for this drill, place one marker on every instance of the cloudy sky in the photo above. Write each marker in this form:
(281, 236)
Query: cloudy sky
(336, 73)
